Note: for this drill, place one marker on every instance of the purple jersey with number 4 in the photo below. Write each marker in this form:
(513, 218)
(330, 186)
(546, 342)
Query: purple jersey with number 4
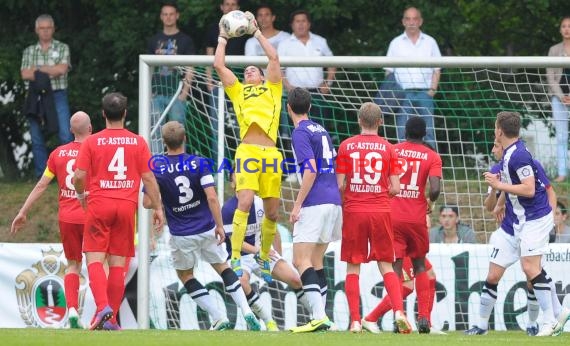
(311, 141)
(182, 185)
(517, 165)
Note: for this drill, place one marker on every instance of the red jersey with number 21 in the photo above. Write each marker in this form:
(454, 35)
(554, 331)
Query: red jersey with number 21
(367, 161)
(61, 164)
(114, 160)
(418, 162)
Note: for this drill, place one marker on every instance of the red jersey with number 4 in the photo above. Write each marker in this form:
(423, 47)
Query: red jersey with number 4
(114, 160)
(418, 162)
(367, 161)
(61, 165)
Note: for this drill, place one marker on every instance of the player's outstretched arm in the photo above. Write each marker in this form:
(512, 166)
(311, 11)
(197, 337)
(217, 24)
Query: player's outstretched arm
(226, 75)
(273, 67)
(35, 194)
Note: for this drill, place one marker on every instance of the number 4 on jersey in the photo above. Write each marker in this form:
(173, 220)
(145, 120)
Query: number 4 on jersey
(117, 164)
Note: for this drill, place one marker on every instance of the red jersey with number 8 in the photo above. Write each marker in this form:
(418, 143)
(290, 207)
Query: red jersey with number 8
(114, 160)
(418, 162)
(367, 161)
(61, 164)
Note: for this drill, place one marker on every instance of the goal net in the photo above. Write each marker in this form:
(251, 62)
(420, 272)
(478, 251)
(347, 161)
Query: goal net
(471, 92)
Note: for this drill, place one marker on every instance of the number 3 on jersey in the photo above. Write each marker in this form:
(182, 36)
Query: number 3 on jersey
(117, 164)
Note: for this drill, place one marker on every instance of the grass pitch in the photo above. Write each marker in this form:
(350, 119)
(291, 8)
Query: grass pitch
(242, 338)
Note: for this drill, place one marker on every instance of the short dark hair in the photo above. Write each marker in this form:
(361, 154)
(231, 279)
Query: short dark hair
(509, 123)
(562, 207)
(453, 208)
(114, 105)
(297, 12)
(170, 3)
(416, 128)
(299, 100)
(264, 5)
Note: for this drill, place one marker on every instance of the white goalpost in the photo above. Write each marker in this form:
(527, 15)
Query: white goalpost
(472, 90)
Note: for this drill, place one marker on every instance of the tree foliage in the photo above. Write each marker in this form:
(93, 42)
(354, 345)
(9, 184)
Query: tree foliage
(106, 36)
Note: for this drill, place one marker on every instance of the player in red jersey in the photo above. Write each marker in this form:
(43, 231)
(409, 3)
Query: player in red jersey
(409, 208)
(113, 161)
(61, 164)
(367, 175)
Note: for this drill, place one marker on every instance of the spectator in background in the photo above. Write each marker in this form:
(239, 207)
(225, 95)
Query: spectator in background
(165, 79)
(235, 46)
(265, 20)
(560, 226)
(419, 84)
(559, 89)
(304, 43)
(48, 58)
(451, 230)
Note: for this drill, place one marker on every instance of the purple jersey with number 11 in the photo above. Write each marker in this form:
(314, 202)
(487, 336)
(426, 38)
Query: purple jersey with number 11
(311, 141)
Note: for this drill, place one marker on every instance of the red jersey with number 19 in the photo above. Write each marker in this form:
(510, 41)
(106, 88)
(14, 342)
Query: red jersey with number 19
(418, 162)
(367, 161)
(114, 160)
(61, 164)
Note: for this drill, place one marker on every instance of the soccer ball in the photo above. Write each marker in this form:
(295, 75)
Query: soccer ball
(235, 23)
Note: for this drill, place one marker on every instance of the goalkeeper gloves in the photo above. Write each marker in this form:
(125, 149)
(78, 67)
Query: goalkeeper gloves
(223, 33)
(252, 28)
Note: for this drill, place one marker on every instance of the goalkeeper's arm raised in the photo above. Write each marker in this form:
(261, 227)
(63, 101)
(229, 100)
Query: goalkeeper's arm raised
(273, 67)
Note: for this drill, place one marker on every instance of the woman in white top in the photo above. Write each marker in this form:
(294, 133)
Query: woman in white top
(559, 90)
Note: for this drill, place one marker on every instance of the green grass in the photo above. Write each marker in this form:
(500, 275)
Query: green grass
(230, 338)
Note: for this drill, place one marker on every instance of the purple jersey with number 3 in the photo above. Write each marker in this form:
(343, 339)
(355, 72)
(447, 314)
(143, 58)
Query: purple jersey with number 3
(311, 141)
(182, 185)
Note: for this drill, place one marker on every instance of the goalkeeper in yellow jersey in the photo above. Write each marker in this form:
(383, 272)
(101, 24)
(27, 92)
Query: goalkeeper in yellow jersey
(257, 104)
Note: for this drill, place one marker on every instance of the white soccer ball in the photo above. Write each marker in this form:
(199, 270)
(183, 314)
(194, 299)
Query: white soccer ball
(235, 23)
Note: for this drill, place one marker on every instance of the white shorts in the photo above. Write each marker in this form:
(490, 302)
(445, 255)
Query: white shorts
(318, 224)
(533, 235)
(250, 265)
(505, 249)
(187, 250)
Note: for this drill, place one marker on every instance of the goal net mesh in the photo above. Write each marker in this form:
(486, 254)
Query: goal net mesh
(466, 105)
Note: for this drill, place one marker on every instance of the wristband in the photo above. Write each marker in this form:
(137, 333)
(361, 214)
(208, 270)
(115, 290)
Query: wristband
(80, 196)
(257, 33)
(222, 40)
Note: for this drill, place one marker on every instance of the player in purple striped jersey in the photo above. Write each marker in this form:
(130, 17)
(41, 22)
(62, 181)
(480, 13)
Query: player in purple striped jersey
(195, 223)
(505, 252)
(529, 214)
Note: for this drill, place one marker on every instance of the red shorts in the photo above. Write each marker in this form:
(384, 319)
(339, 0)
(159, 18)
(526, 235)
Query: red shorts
(410, 239)
(408, 268)
(110, 227)
(364, 229)
(72, 239)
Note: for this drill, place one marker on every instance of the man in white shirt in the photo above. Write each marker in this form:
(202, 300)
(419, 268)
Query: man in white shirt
(265, 20)
(419, 84)
(305, 43)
